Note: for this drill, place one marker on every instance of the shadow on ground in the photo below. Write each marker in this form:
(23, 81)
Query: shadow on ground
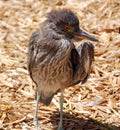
(73, 122)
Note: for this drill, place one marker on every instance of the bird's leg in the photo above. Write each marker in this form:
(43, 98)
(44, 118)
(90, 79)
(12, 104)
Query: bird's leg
(61, 112)
(35, 120)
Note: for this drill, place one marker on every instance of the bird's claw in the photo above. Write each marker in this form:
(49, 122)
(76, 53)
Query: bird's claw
(36, 123)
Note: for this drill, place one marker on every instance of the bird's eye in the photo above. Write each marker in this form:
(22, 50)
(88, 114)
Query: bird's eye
(69, 29)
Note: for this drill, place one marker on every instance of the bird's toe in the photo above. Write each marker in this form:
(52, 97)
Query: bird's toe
(60, 128)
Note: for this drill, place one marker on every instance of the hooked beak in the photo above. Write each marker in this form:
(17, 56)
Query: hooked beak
(83, 35)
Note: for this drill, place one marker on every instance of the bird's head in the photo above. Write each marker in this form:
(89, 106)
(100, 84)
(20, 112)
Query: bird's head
(67, 22)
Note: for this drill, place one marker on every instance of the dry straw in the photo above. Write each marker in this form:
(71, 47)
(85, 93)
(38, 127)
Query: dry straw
(93, 106)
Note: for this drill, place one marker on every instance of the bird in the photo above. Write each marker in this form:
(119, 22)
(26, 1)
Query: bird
(54, 61)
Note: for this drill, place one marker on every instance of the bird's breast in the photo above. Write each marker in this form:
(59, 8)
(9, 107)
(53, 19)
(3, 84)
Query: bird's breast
(54, 72)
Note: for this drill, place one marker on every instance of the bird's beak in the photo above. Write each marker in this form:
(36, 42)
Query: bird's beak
(83, 35)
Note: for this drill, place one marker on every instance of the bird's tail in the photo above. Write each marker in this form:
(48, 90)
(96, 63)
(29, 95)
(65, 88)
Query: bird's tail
(46, 96)
(46, 99)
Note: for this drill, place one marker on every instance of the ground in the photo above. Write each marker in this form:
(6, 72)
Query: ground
(92, 106)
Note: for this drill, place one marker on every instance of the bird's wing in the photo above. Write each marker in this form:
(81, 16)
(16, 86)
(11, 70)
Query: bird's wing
(32, 50)
(75, 60)
(90, 55)
(86, 56)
